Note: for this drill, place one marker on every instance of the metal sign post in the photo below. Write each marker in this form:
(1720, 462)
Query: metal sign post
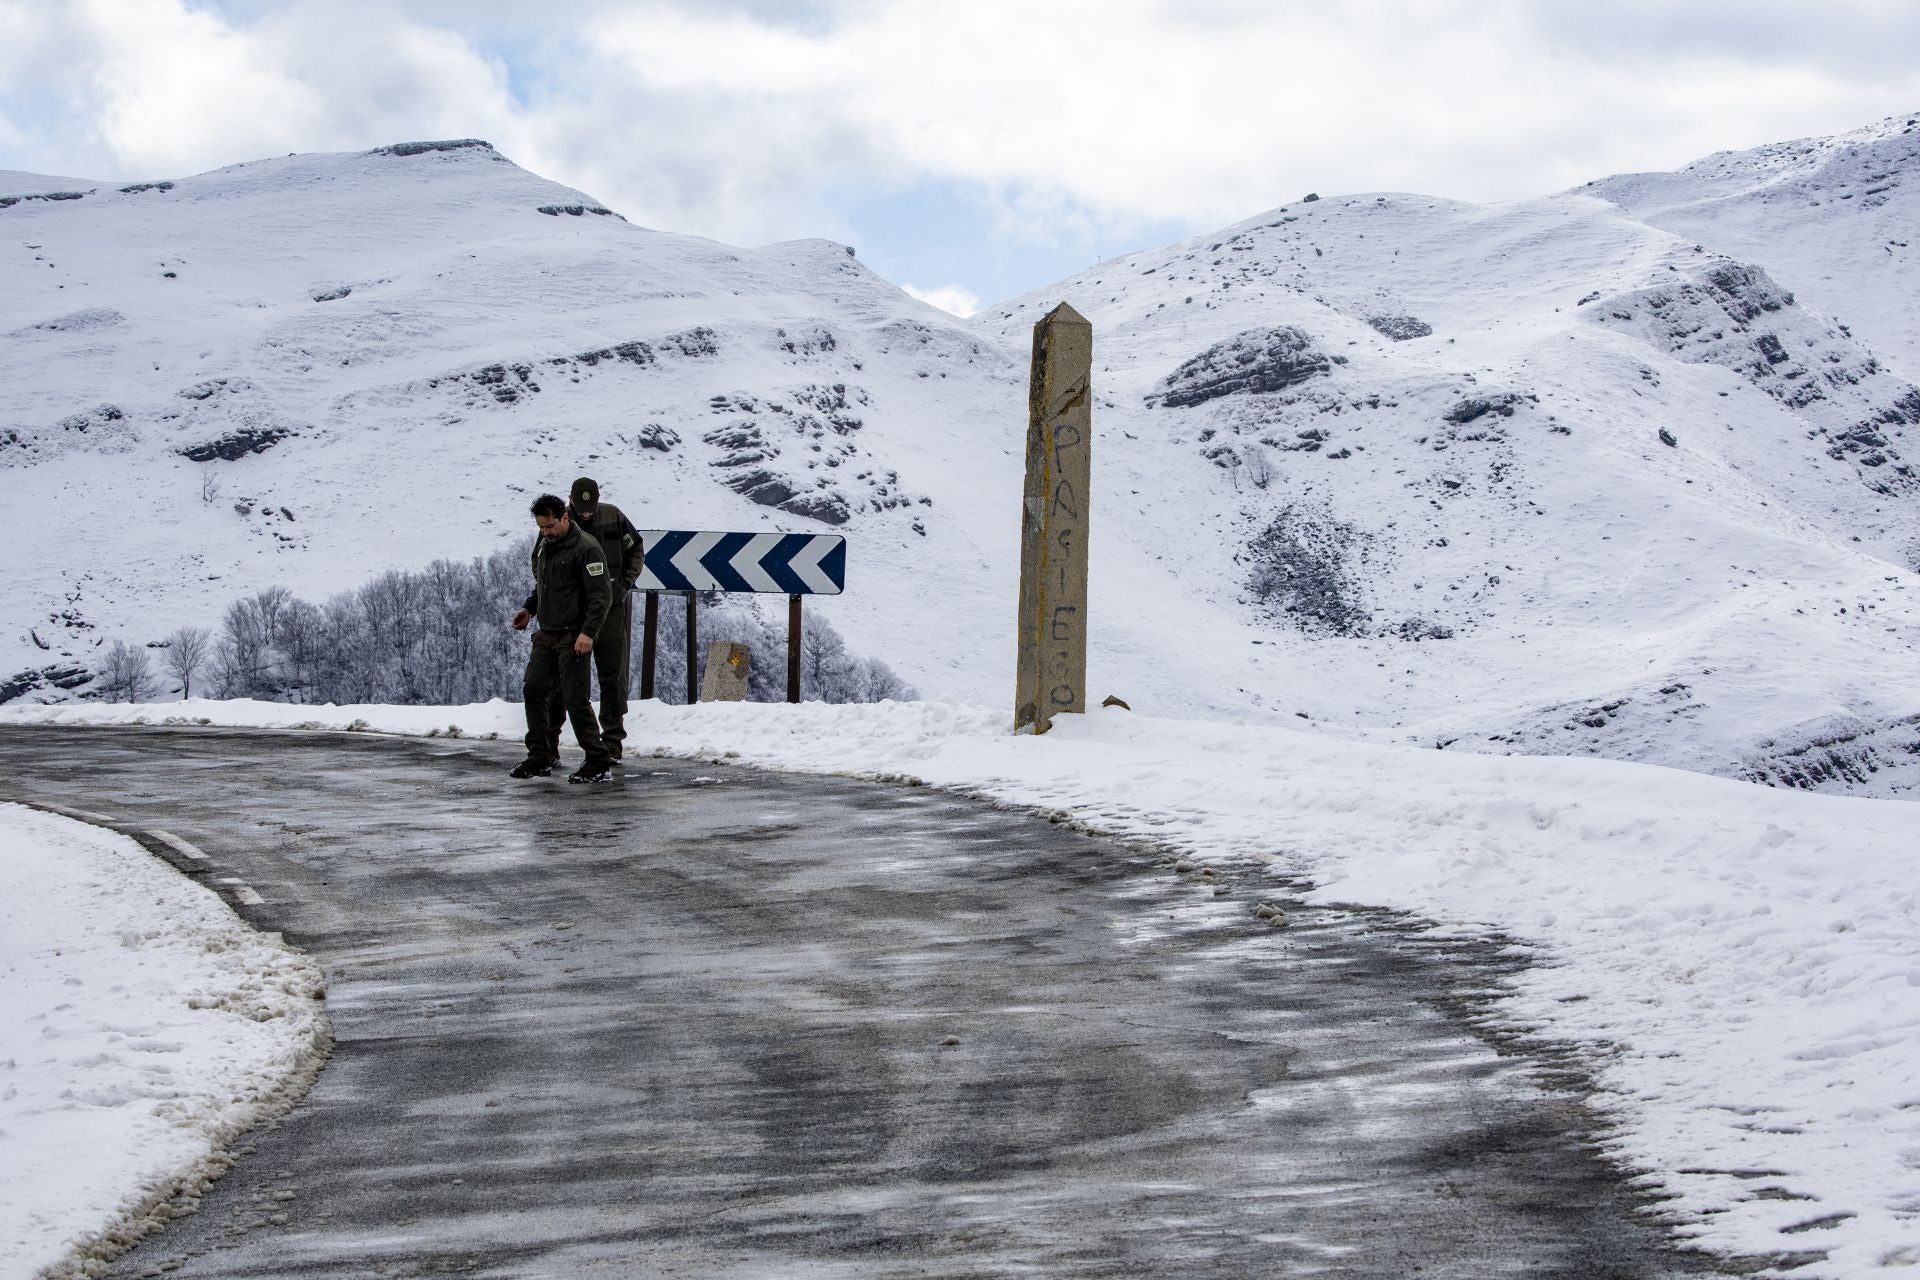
(789, 564)
(693, 647)
(793, 648)
(649, 635)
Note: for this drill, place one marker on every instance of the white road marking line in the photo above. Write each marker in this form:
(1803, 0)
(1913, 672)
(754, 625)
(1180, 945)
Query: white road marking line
(176, 844)
(241, 890)
(85, 815)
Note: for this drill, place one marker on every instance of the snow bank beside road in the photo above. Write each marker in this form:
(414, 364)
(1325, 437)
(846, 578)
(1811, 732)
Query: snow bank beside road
(1743, 964)
(142, 1025)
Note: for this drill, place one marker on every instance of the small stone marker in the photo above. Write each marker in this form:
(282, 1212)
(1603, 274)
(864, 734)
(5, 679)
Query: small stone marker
(726, 675)
(1051, 675)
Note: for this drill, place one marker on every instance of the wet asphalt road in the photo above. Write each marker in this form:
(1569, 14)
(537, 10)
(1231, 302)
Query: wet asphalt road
(693, 1024)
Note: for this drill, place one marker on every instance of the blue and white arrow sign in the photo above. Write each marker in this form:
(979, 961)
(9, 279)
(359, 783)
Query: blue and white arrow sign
(791, 564)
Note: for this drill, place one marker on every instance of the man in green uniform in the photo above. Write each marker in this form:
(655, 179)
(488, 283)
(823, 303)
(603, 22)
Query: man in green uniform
(571, 594)
(620, 542)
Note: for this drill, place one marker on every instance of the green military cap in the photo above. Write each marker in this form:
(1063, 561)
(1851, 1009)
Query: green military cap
(586, 494)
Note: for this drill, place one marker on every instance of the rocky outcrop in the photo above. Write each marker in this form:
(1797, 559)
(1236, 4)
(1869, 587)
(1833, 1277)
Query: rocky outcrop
(1734, 315)
(7, 202)
(1400, 328)
(797, 453)
(448, 144)
(575, 210)
(1254, 362)
(1304, 568)
(63, 676)
(509, 382)
(235, 445)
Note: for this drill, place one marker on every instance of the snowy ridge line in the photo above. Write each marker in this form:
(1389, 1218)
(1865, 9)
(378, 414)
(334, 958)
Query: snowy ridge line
(243, 1009)
(1736, 965)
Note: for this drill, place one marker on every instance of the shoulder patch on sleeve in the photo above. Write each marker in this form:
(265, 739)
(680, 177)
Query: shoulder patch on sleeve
(595, 568)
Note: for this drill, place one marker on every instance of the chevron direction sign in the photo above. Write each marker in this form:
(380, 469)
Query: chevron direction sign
(791, 564)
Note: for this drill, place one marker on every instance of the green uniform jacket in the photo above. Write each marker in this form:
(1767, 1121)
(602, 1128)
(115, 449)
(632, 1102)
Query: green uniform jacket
(572, 589)
(617, 537)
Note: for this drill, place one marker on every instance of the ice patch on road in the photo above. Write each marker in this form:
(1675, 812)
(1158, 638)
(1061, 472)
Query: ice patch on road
(1740, 965)
(142, 1027)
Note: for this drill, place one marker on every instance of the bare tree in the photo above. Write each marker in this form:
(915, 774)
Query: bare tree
(438, 635)
(209, 483)
(1258, 464)
(187, 652)
(126, 676)
(272, 604)
(301, 637)
(243, 653)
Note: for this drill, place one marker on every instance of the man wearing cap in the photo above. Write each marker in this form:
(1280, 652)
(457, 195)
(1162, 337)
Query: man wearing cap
(571, 591)
(608, 526)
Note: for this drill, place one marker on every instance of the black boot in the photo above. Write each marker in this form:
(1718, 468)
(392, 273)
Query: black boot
(530, 768)
(592, 771)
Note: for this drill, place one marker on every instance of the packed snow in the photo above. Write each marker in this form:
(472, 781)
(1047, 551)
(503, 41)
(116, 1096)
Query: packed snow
(1739, 964)
(142, 1026)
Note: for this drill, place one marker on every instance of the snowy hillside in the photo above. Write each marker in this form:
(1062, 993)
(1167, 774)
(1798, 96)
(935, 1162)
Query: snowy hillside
(1533, 477)
(1834, 219)
(1539, 477)
(308, 370)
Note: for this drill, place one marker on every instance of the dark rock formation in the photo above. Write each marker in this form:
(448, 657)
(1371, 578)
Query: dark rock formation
(58, 676)
(7, 202)
(575, 210)
(449, 144)
(1480, 406)
(1301, 566)
(1400, 328)
(506, 382)
(1249, 363)
(656, 436)
(236, 445)
(1732, 315)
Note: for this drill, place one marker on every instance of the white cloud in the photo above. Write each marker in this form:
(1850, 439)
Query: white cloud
(1137, 109)
(752, 122)
(157, 88)
(948, 297)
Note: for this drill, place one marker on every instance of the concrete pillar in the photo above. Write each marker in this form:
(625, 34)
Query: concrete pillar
(1051, 675)
(726, 675)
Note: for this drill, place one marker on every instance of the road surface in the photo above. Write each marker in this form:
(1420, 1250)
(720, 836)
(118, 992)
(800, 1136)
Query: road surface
(710, 1021)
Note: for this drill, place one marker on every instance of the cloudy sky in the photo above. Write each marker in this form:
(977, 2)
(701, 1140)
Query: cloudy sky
(970, 149)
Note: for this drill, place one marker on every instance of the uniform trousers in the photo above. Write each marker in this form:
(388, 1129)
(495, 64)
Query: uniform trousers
(610, 665)
(557, 681)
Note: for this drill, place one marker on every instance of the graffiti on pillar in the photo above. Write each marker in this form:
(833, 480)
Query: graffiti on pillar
(1052, 665)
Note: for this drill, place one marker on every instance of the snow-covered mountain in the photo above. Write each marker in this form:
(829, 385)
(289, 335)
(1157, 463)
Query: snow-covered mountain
(1531, 477)
(1598, 472)
(308, 370)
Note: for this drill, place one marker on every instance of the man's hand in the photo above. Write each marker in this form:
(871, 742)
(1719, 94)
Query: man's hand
(521, 619)
(583, 644)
